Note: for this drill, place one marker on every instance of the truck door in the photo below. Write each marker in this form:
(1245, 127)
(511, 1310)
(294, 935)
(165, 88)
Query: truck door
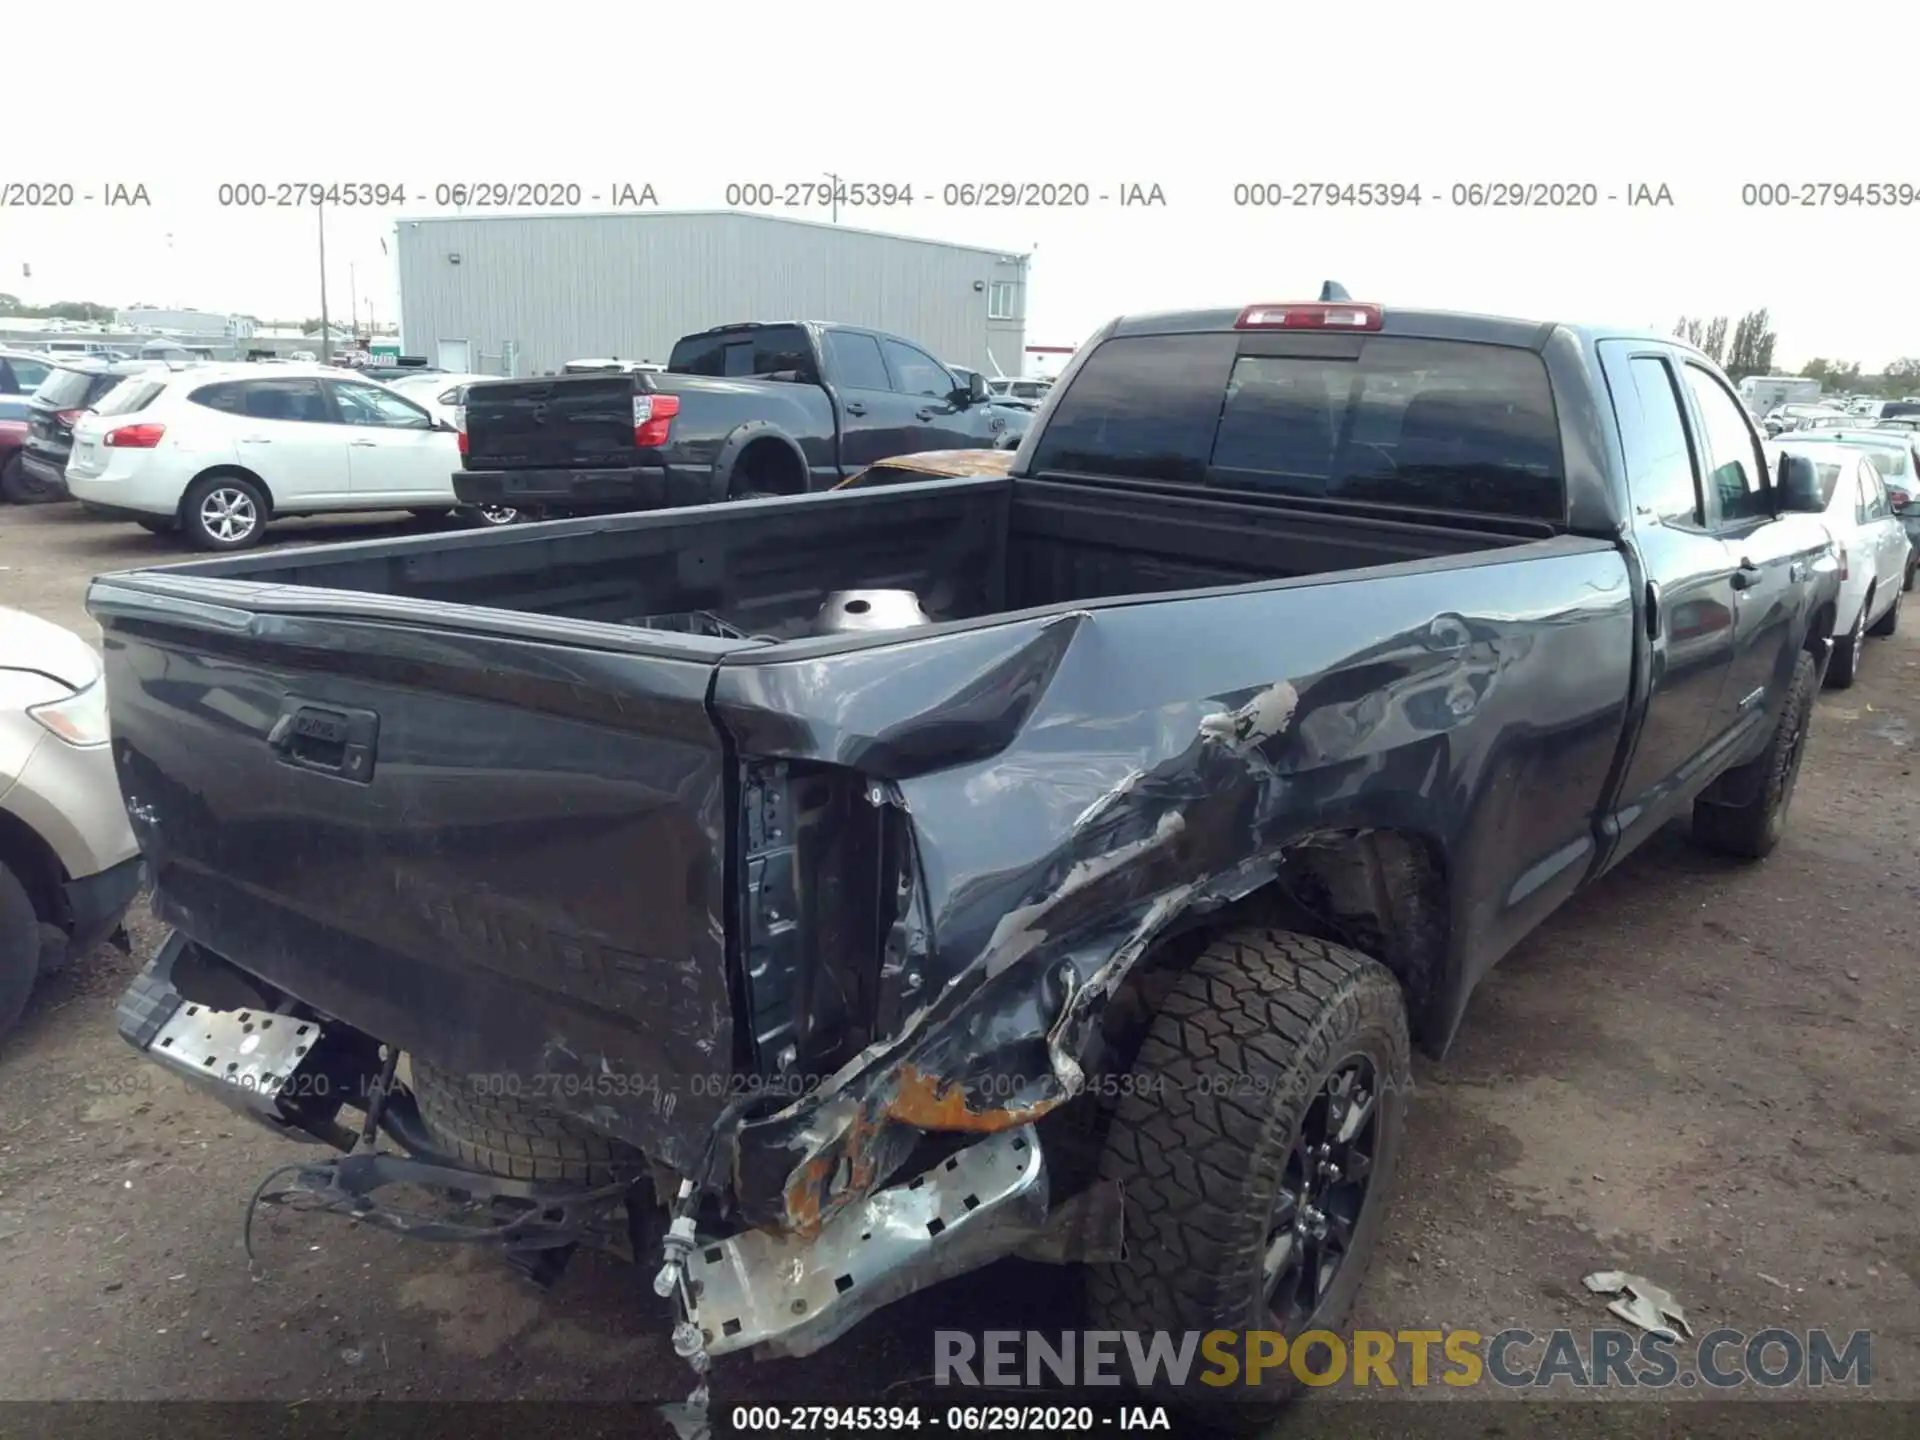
(1689, 596)
(934, 419)
(872, 416)
(1772, 556)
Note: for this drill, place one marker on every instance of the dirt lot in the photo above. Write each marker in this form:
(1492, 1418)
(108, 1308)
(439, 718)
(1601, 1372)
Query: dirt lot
(1700, 1072)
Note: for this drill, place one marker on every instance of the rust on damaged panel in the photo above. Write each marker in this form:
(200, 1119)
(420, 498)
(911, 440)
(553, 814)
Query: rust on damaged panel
(936, 1104)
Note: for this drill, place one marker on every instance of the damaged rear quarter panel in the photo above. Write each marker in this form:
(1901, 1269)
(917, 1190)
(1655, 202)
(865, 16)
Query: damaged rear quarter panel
(1078, 780)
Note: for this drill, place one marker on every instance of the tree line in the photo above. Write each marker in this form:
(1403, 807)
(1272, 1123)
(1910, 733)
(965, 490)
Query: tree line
(1745, 347)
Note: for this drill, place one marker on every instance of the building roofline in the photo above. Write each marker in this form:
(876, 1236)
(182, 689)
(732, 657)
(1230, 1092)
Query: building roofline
(998, 252)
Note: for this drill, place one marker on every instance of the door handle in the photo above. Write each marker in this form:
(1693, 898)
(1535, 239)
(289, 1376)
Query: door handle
(1747, 576)
(854, 407)
(363, 442)
(255, 440)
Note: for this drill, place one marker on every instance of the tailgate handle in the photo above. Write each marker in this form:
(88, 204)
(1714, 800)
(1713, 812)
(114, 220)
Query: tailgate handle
(328, 739)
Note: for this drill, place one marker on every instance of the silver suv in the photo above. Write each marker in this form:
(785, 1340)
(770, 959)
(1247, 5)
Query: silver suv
(69, 865)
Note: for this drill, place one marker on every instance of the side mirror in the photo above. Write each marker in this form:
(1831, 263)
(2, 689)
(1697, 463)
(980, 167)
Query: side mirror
(975, 390)
(1797, 485)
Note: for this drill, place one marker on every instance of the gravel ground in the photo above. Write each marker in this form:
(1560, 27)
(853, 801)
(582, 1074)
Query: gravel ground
(1701, 1072)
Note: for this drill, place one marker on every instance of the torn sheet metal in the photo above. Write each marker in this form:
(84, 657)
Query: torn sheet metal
(1639, 1301)
(795, 1295)
(1079, 785)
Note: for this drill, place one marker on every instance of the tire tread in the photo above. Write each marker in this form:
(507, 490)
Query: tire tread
(1195, 1165)
(507, 1135)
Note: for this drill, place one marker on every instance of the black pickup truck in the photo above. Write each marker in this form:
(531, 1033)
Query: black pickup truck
(861, 887)
(740, 411)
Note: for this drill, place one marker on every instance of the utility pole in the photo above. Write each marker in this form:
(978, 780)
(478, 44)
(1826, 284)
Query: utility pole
(834, 180)
(326, 329)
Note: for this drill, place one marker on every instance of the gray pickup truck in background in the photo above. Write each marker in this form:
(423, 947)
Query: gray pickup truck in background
(829, 894)
(740, 410)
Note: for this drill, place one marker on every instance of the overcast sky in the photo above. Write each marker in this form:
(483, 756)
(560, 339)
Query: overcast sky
(181, 97)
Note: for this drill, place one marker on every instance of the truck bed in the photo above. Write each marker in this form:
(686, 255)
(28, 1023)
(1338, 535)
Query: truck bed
(972, 549)
(524, 802)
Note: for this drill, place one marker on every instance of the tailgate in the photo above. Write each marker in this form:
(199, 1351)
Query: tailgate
(561, 421)
(504, 855)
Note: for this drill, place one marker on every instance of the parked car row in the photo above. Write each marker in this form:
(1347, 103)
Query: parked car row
(216, 452)
(1783, 419)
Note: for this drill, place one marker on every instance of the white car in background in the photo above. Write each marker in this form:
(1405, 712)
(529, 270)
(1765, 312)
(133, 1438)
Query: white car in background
(1871, 544)
(219, 451)
(69, 864)
(442, 395)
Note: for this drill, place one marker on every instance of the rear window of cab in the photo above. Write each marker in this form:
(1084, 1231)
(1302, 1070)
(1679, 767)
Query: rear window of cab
(1423, 424)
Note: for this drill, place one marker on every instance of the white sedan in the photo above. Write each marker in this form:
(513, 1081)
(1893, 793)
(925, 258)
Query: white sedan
(1871, 543)
(218, 451)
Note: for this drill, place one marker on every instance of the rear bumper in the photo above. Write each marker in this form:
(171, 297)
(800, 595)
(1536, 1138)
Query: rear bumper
(45, 469)
(640, 487)
(97, 904)
(274, 1076)
(779, 1293)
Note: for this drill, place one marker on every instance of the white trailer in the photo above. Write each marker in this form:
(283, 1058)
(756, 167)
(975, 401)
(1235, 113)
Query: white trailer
(1762, 393)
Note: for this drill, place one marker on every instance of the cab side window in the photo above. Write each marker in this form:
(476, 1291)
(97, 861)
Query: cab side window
(1736, 468)
(1660, 465)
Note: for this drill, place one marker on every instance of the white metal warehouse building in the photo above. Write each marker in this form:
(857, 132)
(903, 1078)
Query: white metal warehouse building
(509, 294)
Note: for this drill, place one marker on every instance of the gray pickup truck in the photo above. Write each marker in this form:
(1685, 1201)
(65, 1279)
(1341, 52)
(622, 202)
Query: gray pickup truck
(740, 410)
(828, 895)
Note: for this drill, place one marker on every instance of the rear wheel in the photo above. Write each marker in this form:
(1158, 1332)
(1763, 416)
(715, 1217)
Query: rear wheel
(1751, 831)
(1256, 1150)
(1844, 668)
(224, 512)
(24, 489)
(1888, 623)
(508, 1135)
(764, 469)
(488, 517)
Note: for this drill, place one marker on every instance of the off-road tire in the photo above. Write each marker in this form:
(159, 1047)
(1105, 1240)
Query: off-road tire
(1751, 831)
(1844, 668)
(507, 1135)
(21, 488)
(1888, 623)
(1238, 1051)
(19, 948)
